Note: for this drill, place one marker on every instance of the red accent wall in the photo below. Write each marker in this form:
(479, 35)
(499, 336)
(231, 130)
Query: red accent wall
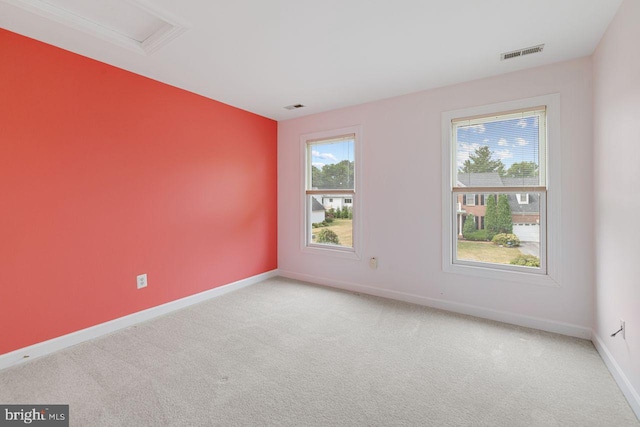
(105, 175)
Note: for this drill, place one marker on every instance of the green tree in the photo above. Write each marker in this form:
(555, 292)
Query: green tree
(505, 221)
(338, 212)
(327, 236)
(317, 177)
(522, 170)
(469, 225)
(346, 212)
(337, 175)
(491, 217)
(481, 161)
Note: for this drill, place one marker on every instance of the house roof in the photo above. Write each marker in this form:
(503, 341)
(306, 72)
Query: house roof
(531, 208)
(512, 182)
(493, 179)
(485, 179)
(316, 205)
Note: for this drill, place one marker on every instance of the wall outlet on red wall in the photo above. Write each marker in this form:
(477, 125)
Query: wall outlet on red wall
(142, 281)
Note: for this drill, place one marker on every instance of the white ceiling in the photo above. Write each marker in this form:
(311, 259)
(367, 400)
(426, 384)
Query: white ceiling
(262, 55)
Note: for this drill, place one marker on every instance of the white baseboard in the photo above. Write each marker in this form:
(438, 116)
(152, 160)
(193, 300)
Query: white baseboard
(46, 347)
(472, 310)
(621, 379)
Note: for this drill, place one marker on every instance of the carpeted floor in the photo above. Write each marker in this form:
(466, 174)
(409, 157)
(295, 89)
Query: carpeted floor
(285, 353)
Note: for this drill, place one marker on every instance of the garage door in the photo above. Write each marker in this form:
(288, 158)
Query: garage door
(527, 232)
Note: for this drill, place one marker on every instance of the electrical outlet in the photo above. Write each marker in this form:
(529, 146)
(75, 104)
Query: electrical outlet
(142, 281)
(622, 326)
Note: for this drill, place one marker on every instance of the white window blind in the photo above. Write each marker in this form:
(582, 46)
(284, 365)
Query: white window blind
(337, 156)
(514, 159)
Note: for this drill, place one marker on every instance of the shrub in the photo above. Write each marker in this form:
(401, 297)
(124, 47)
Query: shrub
(345, 213)
(491, 216)
(324, 223)
(504, 221)
(327, 236)
(328, 220)
(469, 225)
(477, 236)
(504, 239)
(315, 225)
(526, 260)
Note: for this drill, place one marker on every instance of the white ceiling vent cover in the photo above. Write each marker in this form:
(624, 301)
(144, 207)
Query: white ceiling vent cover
(294, 106)
(521, 52)
(129, 23)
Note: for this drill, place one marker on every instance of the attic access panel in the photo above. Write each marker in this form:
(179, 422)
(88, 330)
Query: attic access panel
(128, 23)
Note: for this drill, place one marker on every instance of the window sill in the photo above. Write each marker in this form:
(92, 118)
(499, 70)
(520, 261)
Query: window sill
(520, 277)
(345, 253)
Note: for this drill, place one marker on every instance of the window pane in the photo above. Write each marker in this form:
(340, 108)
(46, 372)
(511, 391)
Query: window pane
(332, 165)
(502, 231)
(331, 220)
(500, 153)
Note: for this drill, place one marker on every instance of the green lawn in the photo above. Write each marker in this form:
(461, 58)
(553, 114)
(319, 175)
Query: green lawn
(344, 229)
(486, 252)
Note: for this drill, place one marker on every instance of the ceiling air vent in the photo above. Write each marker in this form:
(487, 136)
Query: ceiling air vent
(521, 52)
(294, 106)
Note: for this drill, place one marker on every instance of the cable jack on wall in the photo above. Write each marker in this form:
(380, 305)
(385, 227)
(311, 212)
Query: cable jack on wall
(619, 330)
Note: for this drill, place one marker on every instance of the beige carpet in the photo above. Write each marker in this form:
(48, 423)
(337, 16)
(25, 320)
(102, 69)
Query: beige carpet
(284, 353)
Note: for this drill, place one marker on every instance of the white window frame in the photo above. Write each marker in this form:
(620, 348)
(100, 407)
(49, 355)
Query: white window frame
(306, 245)
(466, 199)
(549, 209)
(523, 200)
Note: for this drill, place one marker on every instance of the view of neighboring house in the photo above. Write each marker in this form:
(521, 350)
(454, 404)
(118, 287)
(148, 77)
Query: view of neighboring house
(525, 207)
(317, 210)
(321, 204)
(336, 202)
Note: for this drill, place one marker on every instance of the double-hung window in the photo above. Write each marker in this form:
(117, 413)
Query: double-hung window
(502, 153)
(330, 191)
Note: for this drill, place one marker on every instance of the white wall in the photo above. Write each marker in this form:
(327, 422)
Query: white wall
(402, 167)
(616, 66)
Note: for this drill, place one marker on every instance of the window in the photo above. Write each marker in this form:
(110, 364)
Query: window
(470, 199)
(501, 151)
(330, 191)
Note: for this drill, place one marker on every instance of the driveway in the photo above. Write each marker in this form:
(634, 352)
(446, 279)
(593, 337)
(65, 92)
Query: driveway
(530, 248)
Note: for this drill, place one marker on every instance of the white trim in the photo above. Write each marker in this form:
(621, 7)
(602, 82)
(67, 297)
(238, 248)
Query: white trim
(50, 346)
(173, 25)
(552, 243)
(456, 307)
(623, 382)
(357, 209)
